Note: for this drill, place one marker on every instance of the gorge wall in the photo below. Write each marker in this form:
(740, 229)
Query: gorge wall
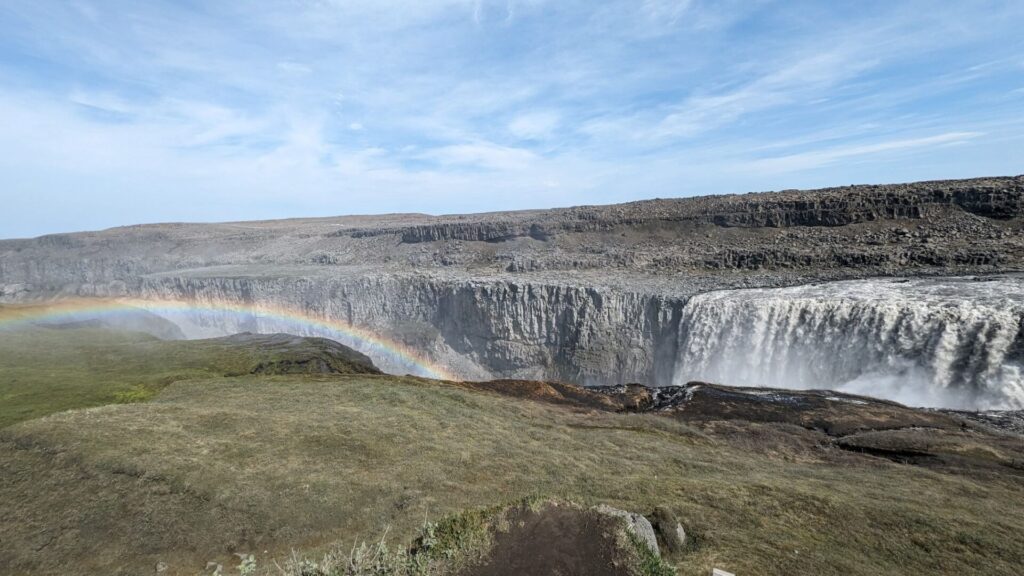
(479, 329)
(950, 342)
(752, 289)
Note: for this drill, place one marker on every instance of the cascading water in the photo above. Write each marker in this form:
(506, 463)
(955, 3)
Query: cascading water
(951, 342)
(955, 343)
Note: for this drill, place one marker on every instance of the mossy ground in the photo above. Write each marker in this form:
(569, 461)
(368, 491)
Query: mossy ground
(47, 370)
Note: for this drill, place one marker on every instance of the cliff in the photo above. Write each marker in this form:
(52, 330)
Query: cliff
(608, 294)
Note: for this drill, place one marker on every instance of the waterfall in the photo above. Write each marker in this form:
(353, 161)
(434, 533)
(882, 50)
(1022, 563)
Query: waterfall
(955, 343)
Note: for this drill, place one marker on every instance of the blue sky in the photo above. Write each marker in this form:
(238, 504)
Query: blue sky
(118, 112)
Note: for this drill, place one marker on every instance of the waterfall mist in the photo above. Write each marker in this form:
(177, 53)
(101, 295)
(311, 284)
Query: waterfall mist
(954, 343)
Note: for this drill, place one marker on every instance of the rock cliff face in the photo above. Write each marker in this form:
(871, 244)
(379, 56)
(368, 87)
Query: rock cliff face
(478, 329)
(948, 227)
(641, 292)
(991, 198)
(938, 342)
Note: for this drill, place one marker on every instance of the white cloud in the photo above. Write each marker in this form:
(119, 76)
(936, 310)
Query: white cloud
(483, 155)
(104, 101)
(608, 101)
(293, 68)
(668, 11)
(792, 83)
(815, 159)
(534, 125)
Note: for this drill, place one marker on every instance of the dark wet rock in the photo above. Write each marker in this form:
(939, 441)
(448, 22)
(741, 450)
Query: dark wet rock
(828, 411)
(808, 422)
(1004, 420)
(957, 450)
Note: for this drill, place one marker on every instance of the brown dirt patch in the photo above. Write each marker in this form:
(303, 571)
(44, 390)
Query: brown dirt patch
(557, 540)
(550, 392)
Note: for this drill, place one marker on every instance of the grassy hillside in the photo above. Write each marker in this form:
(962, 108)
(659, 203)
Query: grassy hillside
(47, 370)
(253, 463)
(256, 464)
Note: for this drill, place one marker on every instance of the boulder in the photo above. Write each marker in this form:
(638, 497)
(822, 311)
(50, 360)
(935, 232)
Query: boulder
(669, 529)
(636, 524)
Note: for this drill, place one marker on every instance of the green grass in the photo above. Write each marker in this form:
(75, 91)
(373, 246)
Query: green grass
(196, 470)
(648, 563)
(308, 461)
(46, 370)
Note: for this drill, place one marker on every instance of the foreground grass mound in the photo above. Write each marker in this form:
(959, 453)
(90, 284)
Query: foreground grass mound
(265, 465)
(47, 369)
(538, 537)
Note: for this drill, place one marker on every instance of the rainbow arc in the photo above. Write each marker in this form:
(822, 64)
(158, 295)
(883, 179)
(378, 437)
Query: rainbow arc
(305, 322)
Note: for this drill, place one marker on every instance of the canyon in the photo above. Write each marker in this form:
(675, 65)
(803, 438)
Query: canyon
(911, 292)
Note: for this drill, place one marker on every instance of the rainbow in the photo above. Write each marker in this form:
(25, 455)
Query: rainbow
(306, 322)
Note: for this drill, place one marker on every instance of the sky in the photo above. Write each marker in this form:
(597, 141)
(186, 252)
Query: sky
(122, 112)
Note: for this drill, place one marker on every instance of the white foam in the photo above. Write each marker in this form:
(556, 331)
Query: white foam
(947, 342)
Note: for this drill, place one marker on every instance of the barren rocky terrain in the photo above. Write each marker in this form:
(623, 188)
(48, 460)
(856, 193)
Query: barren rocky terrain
(942, 227)
(605, 294)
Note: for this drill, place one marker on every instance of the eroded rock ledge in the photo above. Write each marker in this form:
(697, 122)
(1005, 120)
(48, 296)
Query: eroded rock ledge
(593, 294)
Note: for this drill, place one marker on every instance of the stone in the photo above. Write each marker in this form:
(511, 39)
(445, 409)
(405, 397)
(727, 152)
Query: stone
(636, 524)
(161, 567)
(669, 529)
(580, 303)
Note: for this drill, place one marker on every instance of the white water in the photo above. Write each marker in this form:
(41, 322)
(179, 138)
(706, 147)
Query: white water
(946, 342)
(955, 343)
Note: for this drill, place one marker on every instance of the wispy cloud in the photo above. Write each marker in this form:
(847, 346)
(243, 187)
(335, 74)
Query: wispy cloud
(289, 107)
(818, 158)
(798, 83)
(534, 125)
(483, 155)
(667, 11)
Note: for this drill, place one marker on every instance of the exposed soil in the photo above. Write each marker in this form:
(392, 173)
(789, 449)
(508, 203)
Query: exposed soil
(553, 393)
(557, 540)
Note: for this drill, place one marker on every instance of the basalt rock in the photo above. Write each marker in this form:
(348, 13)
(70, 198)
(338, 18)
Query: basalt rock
(641, 292)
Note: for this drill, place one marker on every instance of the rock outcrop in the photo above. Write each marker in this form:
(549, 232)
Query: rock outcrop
(275, 354)
(638, 292)
(636, 524)
(670, 530)
(948, 227)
